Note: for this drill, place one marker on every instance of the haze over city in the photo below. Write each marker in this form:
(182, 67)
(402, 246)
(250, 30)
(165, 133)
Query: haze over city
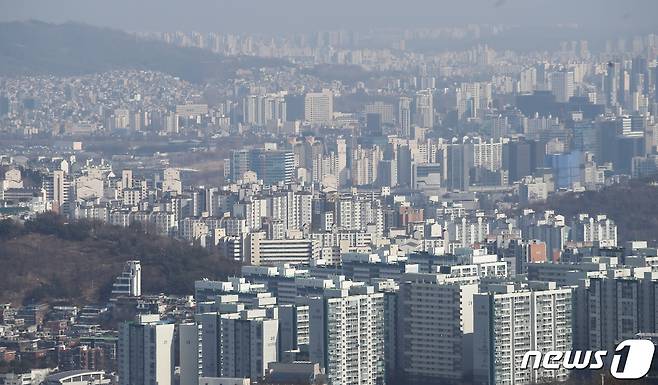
(303, 16)
(328, 193)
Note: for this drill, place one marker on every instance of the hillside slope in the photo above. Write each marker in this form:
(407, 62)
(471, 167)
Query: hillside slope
(47, 259)
(33, 47)
(633, 206)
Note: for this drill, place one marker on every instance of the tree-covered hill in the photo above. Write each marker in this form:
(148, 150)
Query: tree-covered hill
(633, 206)
(46, 259)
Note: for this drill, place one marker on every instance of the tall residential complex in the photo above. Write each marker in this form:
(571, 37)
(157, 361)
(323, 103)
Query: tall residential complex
(424, 115)
(146, 352)
(319, 107)
(346, 334)
(436, 326)
(249, 342)
(404, 116)
(562, 85)
(510, 322)
(618, 307)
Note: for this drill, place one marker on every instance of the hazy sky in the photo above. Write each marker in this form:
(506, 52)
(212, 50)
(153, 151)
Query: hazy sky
(309, 15)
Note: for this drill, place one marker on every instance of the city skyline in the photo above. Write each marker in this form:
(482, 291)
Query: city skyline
(365, 193)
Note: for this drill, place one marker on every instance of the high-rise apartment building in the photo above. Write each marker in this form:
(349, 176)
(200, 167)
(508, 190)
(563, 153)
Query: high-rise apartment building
(562, 85)
(239, 164)
(509, 322)
(126, 179)
(319, 107)
(611, 84)
(373, 124)
(381, 108)
(60, 191)
(617, 308)
(265, 110)
(190, 352)
(436, 320)
(599, 229)
(249, 342)
(268, 252)
(171, 181)
(145, 352)
(459, 158)
(365, 163)
(404, 116)
(528, 80)
(346, 334)
(424, 113)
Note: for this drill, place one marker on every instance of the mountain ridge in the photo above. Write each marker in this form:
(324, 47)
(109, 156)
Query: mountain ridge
(69, 49)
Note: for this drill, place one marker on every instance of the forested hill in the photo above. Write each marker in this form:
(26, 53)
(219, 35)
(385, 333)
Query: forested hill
(46, 259)
(33, 47)
(632, 205)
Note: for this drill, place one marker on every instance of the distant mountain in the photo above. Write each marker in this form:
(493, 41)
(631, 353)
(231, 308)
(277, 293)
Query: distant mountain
(35, 47)
(48, 260)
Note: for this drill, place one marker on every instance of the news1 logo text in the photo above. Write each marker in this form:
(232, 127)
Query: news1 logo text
(631, 359)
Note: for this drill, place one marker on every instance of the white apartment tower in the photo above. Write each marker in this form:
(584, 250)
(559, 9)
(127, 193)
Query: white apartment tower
(129, 282)
(488, 154)
(424, 116)
(60, 190)
(126, 179)
(528, 80)
(261, 251)
(600, 229)
(264, 110)
(319, 107)
(172, 181)
(346, 334)
(508, 323)
(365, 162)
(341, 161)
